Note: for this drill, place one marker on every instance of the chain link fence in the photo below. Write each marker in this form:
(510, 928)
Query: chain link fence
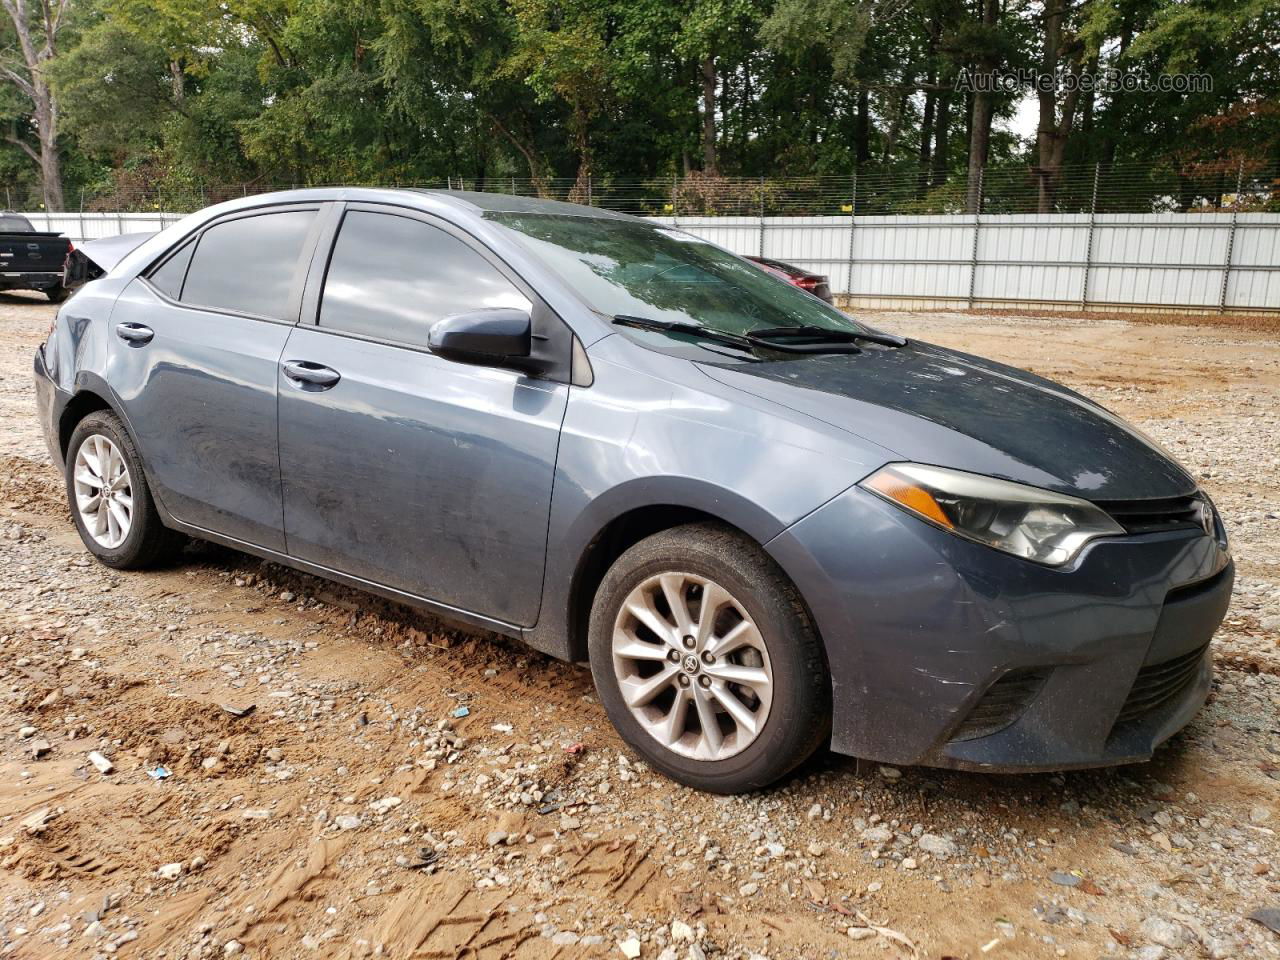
(1006, 189)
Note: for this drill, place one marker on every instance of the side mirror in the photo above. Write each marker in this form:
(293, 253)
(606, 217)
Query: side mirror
(501, 337)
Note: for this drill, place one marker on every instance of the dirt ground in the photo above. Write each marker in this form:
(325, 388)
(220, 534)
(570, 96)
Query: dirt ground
(354, 810)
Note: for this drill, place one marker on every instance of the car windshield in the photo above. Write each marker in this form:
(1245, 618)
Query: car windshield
(628, 268)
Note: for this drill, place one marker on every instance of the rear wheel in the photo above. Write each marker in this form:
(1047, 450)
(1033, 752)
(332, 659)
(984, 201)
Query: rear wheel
(57, 294)
(707, 662)
(110, 501)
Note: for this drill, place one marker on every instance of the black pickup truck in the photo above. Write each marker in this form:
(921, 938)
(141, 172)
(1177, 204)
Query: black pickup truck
(30, 260)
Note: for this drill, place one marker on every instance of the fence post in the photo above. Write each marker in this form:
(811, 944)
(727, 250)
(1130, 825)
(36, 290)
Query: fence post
(761, 243)
(1088, 245)
(1231, 240)
(82, 236)
(853, 213)
(977, 226)
(589, 179)
(675, 196)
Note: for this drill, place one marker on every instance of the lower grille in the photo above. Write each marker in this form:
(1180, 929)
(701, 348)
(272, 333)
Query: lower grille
(1002, 704)
(1158, 683)
(1153, 516)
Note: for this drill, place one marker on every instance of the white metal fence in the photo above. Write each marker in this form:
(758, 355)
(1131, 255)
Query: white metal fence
(1167, 261)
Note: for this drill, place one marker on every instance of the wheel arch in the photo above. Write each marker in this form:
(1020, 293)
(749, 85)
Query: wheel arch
(612, 524)
(84, 402)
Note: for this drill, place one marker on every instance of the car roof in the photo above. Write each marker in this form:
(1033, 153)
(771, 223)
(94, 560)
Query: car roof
(466, 202)
(513, 203)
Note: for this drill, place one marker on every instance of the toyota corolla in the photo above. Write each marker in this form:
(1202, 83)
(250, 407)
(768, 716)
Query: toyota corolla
(765, 525)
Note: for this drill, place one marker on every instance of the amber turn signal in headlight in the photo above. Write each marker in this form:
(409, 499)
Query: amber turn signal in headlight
(1028, 522)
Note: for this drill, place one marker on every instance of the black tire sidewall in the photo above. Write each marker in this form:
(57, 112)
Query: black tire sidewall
(139, 546)
(799, 716)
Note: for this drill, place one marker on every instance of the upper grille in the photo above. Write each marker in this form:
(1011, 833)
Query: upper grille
(1159, 683)
(1151, 516)
(1002, 704)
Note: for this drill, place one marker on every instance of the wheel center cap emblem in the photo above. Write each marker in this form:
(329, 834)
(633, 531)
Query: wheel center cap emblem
(690, 663)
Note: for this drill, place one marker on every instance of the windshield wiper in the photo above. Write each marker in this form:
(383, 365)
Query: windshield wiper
(749, 341)
(681, 326)
(827, 334)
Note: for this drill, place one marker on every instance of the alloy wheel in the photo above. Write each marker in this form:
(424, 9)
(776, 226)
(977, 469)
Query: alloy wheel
(692, 666)
(104, 491)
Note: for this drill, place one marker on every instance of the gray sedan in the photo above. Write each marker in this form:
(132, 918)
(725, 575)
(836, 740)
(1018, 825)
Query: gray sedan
(766, 526)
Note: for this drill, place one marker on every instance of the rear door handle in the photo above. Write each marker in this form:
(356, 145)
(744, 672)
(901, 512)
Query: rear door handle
(135, 333)
(311, 374)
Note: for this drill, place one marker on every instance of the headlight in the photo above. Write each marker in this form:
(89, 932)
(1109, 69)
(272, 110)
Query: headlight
(1049, 528)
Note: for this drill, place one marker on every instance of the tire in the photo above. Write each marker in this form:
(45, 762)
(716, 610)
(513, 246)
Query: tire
(761, 632)
(57, 294)
(144, 541)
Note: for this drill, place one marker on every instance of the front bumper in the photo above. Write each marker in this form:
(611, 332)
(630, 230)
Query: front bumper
(1101, 661)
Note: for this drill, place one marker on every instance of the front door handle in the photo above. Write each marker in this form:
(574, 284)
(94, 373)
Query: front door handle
(135, 333)
(309, 374)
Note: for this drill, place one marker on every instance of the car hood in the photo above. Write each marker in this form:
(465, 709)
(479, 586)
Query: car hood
(932, 405)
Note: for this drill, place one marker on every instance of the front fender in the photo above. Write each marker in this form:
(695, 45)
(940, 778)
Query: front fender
(641, 437)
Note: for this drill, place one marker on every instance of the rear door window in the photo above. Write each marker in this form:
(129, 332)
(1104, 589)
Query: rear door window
(247, 265)
(392, 277)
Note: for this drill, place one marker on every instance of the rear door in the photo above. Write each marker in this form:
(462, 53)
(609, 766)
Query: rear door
(404, 469)
(195, 346)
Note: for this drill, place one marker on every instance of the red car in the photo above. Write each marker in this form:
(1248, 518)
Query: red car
(814, 283)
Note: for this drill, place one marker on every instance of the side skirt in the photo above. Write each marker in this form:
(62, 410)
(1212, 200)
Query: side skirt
(389, 593)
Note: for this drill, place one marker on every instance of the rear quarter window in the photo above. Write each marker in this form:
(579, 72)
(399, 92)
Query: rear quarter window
(168, 277)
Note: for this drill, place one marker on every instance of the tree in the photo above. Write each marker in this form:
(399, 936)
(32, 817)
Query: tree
(1061, 52)
(116, 91)
(560, 51)
(987, 43)
(36, 30)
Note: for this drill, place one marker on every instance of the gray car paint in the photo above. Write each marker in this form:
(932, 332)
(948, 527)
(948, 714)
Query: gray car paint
(915, 621)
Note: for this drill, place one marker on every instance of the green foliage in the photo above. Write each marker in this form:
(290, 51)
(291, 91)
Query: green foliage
(166, 94)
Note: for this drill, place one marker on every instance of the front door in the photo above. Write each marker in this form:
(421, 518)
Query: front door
(194, 352)
(402, 468)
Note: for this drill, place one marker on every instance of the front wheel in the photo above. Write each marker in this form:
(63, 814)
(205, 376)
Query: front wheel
(109, 497)
(707, 662)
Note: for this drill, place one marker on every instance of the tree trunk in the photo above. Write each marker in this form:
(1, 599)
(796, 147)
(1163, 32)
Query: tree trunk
(176, 81)
(1053, 130)
(926, 136)
(941, 140)
(980, 122)
(34, 85)
(895, 120)
(581, 190)
(1115, 111)
(862, 129)
(709, 163)
(537, 166)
